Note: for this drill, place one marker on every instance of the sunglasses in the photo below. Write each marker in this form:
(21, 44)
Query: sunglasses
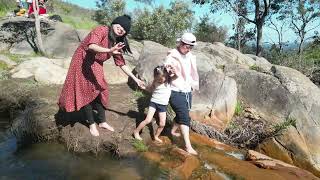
(188, 46)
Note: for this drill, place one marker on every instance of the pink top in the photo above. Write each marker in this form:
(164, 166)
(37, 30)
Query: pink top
(186, 69)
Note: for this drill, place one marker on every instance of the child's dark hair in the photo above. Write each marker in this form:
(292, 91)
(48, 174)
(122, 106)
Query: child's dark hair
(162, 71)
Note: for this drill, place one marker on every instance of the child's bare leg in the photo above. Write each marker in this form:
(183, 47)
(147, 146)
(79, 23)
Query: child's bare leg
(174, 130)
(148, 119)
(162, 123)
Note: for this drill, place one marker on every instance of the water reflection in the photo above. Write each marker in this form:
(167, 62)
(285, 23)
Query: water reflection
(53, 161)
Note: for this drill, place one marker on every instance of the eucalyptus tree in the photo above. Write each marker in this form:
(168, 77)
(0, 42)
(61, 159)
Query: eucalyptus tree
(256, 12)
(40, 46)
(208, 31)
(304, 17)
(161, 24)
(108, 10)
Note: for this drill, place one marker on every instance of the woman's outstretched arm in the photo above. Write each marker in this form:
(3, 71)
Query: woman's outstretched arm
(127, 70)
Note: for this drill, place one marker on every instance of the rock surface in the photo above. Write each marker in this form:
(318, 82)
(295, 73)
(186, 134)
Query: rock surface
(7, 61)
(281, 96)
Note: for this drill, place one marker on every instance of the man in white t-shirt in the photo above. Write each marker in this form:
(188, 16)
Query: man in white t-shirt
(183, 63)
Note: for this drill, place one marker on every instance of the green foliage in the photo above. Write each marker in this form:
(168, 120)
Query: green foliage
(162, 25)
(239, 109)
(207, 31)
(108, 10)
(255, 68)
(3, 66)
(5, 6)
(242, 35)
(4, 74)
(77, 17)
(255, 12)
(138, 94)
(306, 63)
(278, 128)
(302, 16)
(79, 22)
(139, 145)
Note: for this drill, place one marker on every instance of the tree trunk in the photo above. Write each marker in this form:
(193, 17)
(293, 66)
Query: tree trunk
(300, 50)
(37, 26)
(259, 26)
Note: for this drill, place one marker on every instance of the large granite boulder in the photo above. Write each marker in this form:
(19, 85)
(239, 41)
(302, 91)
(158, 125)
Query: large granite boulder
(152, 55)
(214, 104)
(44, 70)
(221, 55)
(59, 39)
(279, 97)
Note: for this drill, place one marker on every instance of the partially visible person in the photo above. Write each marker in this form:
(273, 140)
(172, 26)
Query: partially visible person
(42, 8)
(161, 91)
(21, 8)
(183, 62)
(85, 86)
(29, 3)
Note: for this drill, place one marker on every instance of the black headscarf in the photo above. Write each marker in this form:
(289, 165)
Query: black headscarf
(125, 22)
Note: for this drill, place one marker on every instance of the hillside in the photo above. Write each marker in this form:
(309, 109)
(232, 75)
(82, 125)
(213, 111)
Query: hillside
(78, 17)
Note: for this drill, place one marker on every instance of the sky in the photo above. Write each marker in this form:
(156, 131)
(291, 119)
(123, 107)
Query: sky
(220, 19)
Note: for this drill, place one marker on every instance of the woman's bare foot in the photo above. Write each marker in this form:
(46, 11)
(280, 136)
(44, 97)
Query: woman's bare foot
(191, 151)
(93, 130)
(158, 139)
(175, 134)
(106, 126)
(137, 135)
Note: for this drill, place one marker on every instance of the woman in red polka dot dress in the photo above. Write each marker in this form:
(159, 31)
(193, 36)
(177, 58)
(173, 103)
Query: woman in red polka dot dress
(85, 86)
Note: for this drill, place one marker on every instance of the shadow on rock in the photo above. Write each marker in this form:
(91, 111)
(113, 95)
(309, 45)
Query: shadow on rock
(64, 118)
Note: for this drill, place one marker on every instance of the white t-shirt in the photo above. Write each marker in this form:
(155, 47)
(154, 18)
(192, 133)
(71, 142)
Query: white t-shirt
(161, 94)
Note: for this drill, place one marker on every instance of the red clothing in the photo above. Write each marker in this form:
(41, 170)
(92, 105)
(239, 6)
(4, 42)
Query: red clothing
(42, 8)
(85, 79)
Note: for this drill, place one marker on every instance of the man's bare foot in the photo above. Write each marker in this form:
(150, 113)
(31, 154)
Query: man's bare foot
(136, 135)
(93, 130)
(106, 126)
(158, 139)
(175, 134)
(191, 151)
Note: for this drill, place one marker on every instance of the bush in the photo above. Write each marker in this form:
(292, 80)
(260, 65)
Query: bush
(207, 31)
(108, 10)
(5, 6)
(162, 25)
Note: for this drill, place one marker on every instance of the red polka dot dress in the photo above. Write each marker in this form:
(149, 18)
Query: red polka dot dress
(85, 79)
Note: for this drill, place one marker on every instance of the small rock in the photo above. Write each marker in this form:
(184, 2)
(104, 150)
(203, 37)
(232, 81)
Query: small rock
(23, 73)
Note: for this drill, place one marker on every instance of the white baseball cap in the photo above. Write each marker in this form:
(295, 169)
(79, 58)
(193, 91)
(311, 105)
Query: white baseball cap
(188, 38)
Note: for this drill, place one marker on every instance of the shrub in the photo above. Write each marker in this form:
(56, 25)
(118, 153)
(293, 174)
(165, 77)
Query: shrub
(162, 25)
(108, 10)
(278, 128)
(207, 31)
